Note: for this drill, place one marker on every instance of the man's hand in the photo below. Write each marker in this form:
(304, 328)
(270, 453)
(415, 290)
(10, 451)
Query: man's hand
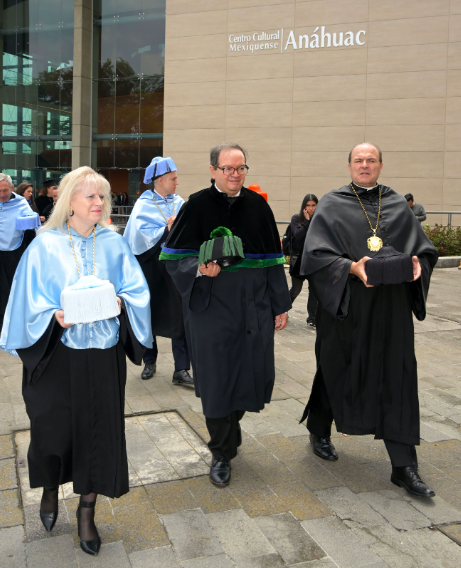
(59, 315)
(281, 322)
(119, 302)
(416, 268)
(170, 221)
(211, 270)
(358, 269)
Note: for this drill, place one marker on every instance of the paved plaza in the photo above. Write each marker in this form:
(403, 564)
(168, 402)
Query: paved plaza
(284, 506)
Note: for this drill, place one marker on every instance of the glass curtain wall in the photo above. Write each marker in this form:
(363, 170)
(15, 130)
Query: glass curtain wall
(36, 89)
(127, 106)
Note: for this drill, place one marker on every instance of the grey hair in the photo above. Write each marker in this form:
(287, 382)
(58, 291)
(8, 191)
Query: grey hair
(371, 144)
(216, 151)
(7, 178)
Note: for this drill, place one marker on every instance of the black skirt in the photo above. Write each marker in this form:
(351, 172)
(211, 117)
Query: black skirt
(76, 411)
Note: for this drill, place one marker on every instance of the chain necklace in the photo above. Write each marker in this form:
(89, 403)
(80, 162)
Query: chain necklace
(374, 242)
(73, 251)
(158, 206)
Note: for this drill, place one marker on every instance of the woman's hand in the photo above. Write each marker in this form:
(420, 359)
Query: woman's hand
(306, 215)
(59, 315)
(211, 270)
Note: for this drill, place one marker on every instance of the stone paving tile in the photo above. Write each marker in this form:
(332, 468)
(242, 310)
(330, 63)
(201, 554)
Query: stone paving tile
(239, 535)
(280, 446)
(154, 558)
(453, 531)
(12, 548)
(57, 552)
(429, 433)
(146, 459)
(179, 453)
(436, 509)
(301, 502)
(340, 543)
(311, 471)
(139, 525)
(221, 560)
(289, 539)
(349, 506)
(362, 449)
(190, 436)
(110, 556)
(171, 497)
(6, 447)
(209, 498)
(395, 510)
(360, 477)
(264, 561)
(8, 479)
(10, 513)
(441, 454)
(268, 467)
(35, 529)
(445, 429)
(439, 547)
(323, 563)
(191, 535)
(196, 422)
(256, 498)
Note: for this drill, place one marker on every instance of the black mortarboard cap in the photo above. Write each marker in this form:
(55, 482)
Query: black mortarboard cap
(49, 183)
(223, 247)
(389, 267)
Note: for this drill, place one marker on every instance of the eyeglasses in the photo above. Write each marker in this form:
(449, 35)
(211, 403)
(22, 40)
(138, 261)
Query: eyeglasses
(228, 171)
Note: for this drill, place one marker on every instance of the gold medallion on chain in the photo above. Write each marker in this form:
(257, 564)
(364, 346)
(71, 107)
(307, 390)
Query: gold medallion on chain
(374, 242)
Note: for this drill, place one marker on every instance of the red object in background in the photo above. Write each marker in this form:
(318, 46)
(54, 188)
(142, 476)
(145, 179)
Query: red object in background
(255, 187)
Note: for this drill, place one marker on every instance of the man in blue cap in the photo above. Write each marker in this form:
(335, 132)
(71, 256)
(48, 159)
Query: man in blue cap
(146, 232)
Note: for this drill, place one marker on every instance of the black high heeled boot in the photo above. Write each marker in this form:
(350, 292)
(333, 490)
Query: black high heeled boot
(89, 546)
(49, 518)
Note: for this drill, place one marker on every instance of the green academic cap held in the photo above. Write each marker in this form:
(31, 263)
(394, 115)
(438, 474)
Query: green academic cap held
(223, 247)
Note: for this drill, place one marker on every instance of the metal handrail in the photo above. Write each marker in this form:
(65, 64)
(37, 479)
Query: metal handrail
(449, 213)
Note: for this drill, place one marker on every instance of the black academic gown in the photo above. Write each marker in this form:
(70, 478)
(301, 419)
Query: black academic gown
(75, 400)
(42, 202)
(365, 337)
(165, 300)
(229, 319)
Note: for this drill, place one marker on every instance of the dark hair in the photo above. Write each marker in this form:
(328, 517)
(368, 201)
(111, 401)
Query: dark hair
(216, 151)
(371, 144)
(22, 188)
(308, 197)
(409, 197)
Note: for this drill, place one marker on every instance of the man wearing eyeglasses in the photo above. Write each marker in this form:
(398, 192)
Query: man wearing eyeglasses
(230, 313)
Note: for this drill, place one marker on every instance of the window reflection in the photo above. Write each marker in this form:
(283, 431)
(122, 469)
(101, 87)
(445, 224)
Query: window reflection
(36, 92)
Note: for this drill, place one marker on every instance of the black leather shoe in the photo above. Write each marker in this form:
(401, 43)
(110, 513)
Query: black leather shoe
(148, 371)
(89, 546)
(310, 322)
(323, 448)
(408, 478)
(220, 472)
(49, 519)
(182, 378)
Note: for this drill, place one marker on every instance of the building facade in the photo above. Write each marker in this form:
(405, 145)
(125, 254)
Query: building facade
(297, 83)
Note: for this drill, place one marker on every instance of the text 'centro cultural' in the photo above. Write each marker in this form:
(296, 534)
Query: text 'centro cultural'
(260, 41)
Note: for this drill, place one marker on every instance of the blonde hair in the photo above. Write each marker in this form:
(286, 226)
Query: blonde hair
(75, 181)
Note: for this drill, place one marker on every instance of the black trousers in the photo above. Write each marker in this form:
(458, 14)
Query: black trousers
(225, 435)
(180, 354)
(296, 287)
(320, 419)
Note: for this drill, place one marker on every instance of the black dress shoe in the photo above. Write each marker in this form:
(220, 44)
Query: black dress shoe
(310, 322)
(408, 477)
(182, 378)
(220, 472)
(323, 448)
(49, 519)
(148, 371)
(89, 546)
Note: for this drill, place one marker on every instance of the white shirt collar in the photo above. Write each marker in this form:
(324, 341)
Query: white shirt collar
(216, 187)
(367, 188)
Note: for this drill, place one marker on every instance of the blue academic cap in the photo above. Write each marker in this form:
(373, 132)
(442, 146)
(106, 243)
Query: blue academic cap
(159, 167)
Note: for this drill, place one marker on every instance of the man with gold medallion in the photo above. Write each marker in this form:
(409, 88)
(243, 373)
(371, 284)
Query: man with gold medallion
(366, 379)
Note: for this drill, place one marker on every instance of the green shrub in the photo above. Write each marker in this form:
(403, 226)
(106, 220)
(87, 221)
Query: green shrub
(447, 240)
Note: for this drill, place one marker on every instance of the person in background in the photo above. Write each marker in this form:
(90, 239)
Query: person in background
(26, 190)
(417, 208)
(299, 227)
(49, 208)
(125, 199)
(45, 197)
